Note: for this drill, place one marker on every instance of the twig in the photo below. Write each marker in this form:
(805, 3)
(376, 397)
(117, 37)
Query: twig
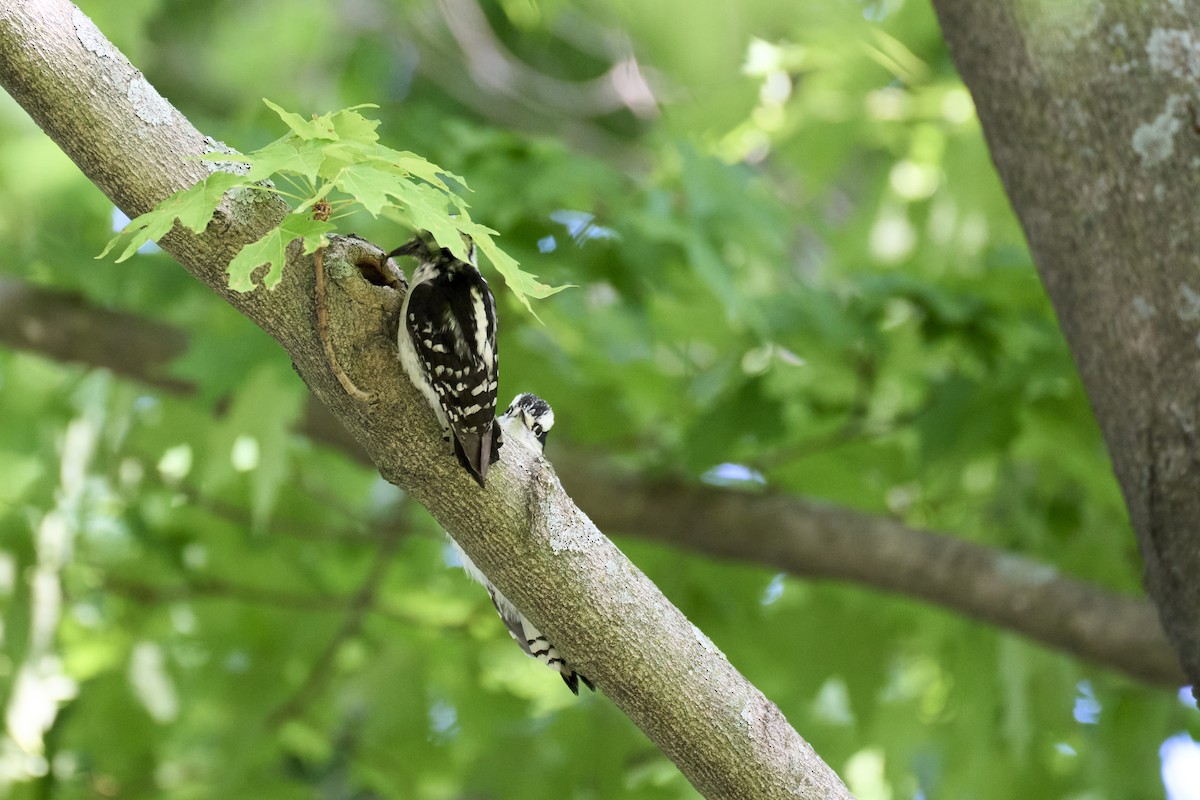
(322, 668)
(323, 330)
(221, 589)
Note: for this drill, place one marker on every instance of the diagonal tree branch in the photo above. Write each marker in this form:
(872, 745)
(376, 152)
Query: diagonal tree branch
(812, 539)
(799, 536)
(523, 530)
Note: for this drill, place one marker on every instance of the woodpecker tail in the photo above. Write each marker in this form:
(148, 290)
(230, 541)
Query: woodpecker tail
(477, 451)
(522, 631)
(572, 678)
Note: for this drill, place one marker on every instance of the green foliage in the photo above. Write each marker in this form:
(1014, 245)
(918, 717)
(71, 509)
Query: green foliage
(798, 261)
(334, 159)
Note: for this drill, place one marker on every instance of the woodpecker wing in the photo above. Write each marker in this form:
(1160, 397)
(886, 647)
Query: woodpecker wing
(452, 324)
(534, 643)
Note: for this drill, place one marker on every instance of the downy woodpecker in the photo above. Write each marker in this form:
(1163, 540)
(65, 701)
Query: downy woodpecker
(527, 421)
(447, 342)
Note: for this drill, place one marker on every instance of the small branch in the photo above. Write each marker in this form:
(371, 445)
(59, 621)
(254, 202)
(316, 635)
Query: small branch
(217, 589)
(326, 339)
(441, 61)
(854, 430)
(68, 327)
(500, 72)
(811, 539)
(322, 668)
(220, 589)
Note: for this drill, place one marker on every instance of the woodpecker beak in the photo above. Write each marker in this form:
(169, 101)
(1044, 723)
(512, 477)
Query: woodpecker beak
(413, 247)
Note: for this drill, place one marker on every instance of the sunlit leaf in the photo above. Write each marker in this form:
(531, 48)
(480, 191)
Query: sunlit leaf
(193, 207)
(317, 128)
(271, 250)
(354, 127)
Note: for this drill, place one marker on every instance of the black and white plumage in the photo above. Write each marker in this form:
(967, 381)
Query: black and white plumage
(526, 422)
(447, 343)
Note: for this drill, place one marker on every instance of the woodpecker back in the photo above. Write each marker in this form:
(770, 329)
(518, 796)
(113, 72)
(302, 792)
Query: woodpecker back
(447, 344)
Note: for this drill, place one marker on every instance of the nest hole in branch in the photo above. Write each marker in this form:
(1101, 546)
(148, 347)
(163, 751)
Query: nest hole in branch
(381, 273)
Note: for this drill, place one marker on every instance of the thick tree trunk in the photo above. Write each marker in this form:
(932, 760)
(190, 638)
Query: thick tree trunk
(523, 531)
(1092, 114)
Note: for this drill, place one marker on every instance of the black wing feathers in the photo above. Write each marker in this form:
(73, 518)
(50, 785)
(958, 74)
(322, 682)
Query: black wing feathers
(452, 322)
(539, 647)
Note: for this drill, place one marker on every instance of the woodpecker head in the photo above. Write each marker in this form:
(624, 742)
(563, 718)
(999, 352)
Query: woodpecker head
(425, 248)
(528, 420)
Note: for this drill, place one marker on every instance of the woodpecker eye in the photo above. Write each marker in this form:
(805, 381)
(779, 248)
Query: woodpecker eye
(537, 429)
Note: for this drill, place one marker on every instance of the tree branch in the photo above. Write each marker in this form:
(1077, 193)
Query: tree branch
(144, 592)
(360, 605)
(798, 536)
(523, 530)
(500, 72)
(67, 327)
(811, 539)
(1089, 113)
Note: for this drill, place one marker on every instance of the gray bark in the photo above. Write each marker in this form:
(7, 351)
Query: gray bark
(523, 531)
(1091, 114)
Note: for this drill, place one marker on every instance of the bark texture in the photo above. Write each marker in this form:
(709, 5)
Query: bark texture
(799, 536)
(524, 531)
(1092, 115)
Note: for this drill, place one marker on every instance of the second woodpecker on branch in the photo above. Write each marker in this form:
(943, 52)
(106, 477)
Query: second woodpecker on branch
(447, 343)
(526, 423)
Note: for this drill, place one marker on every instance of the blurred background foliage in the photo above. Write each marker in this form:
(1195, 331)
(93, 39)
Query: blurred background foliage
(792, 255)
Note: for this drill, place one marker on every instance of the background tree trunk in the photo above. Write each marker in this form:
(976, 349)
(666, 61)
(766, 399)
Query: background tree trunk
(1091, 116)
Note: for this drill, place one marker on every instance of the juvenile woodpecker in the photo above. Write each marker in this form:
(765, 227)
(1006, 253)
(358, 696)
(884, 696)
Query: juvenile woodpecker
(447, 343)
(527, 421)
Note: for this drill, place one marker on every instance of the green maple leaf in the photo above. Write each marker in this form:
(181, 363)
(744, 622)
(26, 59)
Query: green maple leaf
(354, 127)
(364, 183)
(523, 284)
(335, 151)
(317, 128)
(271, 250)
(193, 207)
(289, 154)
(404, 163)
(345, 124)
